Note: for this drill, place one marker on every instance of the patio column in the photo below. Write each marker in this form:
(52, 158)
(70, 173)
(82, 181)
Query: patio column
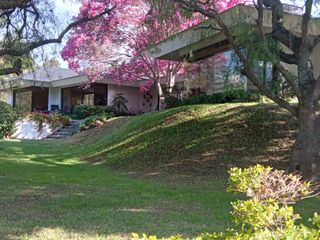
(10, 97)
(54, 97)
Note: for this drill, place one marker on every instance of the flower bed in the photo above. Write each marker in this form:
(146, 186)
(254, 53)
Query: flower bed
(38, 125)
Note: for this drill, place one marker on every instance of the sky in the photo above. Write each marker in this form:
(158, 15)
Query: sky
(65, 9)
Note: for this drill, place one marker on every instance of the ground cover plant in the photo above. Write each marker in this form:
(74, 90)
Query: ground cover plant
(96, 120)
(84, 111)
(106, 183)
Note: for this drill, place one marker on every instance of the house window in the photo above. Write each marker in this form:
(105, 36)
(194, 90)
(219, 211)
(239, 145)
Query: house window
(88, 99)
(23, 101)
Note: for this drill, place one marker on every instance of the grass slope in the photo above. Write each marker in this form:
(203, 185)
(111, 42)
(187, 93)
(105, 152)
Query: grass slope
(198, 141)
(48, 192)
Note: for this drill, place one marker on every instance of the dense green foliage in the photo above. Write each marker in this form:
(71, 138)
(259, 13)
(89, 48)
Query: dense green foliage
(7, 118)
(96, 120)
(264, 216)
(223, 97)
(84, 111)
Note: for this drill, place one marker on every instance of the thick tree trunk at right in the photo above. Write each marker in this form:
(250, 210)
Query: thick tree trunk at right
(306, 152)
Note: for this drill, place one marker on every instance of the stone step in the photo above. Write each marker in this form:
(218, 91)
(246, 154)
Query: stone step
(67, 131)
(63, 133)
(55, 137)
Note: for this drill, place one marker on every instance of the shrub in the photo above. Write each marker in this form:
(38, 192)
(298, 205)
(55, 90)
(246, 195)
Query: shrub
(267, 214)
(96, 120)
(84, 111)
(223, 97)
(7, 118)
(119, 105)
(54, 120)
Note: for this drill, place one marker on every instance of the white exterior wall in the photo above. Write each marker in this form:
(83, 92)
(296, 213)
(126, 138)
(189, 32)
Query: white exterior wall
(149, 101)
(54, 97)
(137, 101)
(7, 96)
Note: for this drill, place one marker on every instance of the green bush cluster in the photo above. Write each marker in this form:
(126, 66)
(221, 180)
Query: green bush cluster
(267, 214)
(96, 120)
(223, 97)
(84, 111)
(7, 118)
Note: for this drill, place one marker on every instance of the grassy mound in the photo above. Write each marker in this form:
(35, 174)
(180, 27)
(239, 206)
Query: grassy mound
(48, 192)
(202, 140)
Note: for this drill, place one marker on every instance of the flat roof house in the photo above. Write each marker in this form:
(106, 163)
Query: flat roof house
(46, 89)
(202, 41)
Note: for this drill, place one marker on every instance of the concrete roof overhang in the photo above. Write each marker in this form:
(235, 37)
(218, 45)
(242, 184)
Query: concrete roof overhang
(24, 83)
(205, 39)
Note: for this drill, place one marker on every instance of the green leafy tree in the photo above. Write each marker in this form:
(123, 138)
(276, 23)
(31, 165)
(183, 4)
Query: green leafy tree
(283, 45)
(30, 24)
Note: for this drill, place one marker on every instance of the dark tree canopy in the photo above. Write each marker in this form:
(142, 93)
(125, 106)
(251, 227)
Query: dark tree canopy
(29, 24)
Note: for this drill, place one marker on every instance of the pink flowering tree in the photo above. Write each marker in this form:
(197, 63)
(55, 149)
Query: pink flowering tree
(114, 47)
(94, 47)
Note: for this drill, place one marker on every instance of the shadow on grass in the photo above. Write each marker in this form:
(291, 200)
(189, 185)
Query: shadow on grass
(200, 141)
(46, 191)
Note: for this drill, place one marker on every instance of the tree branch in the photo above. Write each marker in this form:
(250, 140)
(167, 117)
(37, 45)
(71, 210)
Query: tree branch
(246, 66)
(279, 32)
(282, 55)
(34, 45)
(12, 4)
(288, 58)
(16, 69)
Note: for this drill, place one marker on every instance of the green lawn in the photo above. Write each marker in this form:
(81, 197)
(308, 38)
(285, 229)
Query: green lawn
(48, 191)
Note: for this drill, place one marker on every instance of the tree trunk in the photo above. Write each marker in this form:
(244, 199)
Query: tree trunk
(172, 81)
(161, 104)
(306, 151)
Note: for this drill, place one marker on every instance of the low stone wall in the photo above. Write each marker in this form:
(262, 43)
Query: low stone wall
(28, 129)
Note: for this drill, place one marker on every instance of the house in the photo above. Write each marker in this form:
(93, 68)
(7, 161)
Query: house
(46, 89)
(205, 40)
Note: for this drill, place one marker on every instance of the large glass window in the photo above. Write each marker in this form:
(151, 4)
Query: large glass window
(88, 99)
(23, 101)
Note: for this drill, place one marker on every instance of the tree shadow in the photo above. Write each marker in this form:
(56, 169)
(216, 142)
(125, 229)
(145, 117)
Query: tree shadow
(43, 191)
(205, 145)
